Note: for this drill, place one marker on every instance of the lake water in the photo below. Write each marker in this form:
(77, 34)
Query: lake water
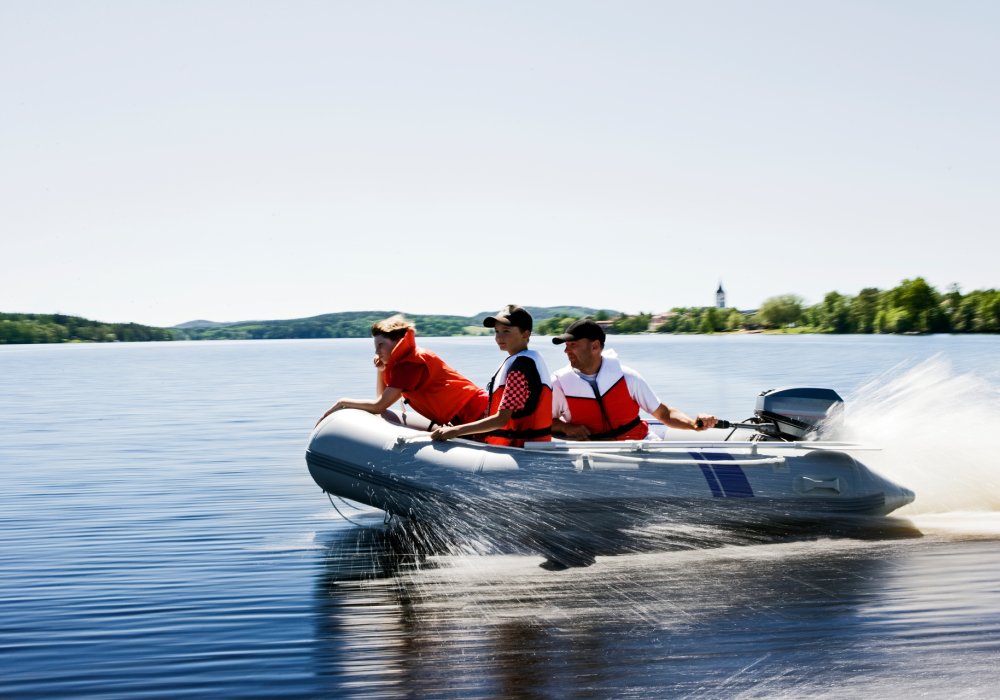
(160, 536)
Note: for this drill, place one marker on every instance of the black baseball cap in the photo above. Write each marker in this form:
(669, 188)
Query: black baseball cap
(511, 315)
(580, 330)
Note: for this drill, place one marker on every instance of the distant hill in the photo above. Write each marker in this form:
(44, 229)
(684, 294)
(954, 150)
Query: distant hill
(19, 329)
(203, 324)
(60, 328)
(357, 324)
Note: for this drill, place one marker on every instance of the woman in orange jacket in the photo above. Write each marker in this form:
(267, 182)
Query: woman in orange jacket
(431, 387)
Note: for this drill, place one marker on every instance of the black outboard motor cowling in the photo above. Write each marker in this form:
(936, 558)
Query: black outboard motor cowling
(799, 413)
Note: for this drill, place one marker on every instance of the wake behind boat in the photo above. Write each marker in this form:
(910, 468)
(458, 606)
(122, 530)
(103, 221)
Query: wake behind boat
(774, 469)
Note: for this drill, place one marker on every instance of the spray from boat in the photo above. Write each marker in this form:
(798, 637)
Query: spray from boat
(935, 428)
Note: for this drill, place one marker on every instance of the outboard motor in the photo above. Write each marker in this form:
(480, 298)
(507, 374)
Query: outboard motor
(799, 413)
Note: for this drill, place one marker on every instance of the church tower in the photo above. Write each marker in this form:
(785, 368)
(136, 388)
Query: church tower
(720, 297)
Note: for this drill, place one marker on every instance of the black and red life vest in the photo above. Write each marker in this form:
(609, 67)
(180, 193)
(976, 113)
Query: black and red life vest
(534, 421)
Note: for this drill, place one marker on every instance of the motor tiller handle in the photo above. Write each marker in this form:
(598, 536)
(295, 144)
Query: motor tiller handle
(719, 423)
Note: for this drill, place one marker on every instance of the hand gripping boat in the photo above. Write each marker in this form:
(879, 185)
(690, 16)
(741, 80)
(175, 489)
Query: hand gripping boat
(775, 468)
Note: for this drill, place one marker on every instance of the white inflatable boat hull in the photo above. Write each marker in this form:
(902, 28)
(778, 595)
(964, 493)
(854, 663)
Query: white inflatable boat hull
(579, 486)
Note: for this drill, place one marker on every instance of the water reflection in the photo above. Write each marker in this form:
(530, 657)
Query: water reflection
(775, 619)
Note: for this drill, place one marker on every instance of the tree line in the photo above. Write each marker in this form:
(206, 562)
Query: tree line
(912, 307)
(358, 324)
(350, 324)
(59, 328)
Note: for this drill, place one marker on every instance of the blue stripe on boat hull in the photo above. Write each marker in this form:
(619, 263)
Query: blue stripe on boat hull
(725, 480)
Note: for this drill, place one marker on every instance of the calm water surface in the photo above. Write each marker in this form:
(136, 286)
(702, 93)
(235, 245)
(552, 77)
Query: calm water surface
(160, 537)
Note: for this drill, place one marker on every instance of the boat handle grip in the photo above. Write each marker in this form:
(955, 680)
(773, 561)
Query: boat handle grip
(719, 423)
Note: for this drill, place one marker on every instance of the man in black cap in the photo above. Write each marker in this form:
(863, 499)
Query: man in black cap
(520, 393)
(595, 397)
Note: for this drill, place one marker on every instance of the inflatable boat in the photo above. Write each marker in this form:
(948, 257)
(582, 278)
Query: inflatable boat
(777, 467)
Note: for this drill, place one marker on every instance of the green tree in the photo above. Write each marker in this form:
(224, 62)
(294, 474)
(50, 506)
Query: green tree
(712, 320)
(631, 324)
(834, 314)
(733, 320)
(863, 309)
(951, 305)
(987, 318)
(914, 304)
(780, 311)
(553, 326)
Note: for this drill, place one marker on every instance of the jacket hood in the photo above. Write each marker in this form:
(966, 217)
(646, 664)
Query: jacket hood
(406, 346)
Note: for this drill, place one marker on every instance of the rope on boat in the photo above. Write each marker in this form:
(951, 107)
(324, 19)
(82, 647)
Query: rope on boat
(356, 524)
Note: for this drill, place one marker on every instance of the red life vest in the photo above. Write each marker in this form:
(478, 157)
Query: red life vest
(611, 413)
(534, 421)
(443, 394)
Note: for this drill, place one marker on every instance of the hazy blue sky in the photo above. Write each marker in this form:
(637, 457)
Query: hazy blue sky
(166, 161)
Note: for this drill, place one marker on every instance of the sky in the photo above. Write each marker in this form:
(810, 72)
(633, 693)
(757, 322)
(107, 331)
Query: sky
(164, 161)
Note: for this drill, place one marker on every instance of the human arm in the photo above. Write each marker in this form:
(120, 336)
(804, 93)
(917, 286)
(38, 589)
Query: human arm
(675, 418)
(388, 397)
(484, 425)
(516, 395)
(561, 419)
(571, 431)
(379, 376)
(670, 417)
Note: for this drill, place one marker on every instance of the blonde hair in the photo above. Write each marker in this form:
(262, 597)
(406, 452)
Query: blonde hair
(393, 328)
